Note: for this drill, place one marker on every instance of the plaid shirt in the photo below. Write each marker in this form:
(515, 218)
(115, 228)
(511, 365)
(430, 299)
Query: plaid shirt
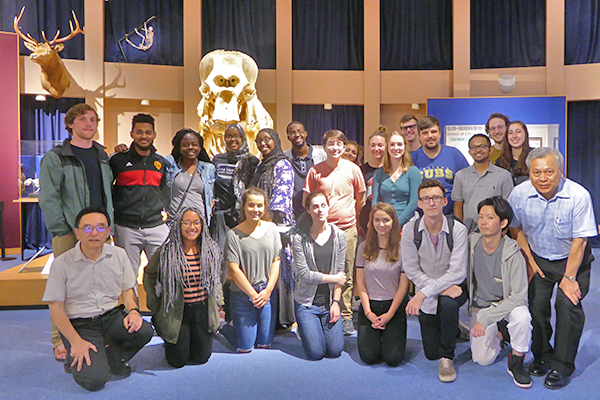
(551, 225)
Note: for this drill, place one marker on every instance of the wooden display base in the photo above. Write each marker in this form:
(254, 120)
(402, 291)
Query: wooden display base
(26, 288)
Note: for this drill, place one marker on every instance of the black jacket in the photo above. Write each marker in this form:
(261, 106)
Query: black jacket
(138, 188)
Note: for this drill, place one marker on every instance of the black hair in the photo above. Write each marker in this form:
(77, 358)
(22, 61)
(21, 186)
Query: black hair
(91, 210)
(292, 123)
(176, 153)
(480, 135)
(141, 119)
(501, 206)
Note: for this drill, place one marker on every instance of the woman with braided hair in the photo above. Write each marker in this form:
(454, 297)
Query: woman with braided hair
(183, 289)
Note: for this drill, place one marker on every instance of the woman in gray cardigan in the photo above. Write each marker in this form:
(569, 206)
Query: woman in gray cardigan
(319, 253)
(183, 290)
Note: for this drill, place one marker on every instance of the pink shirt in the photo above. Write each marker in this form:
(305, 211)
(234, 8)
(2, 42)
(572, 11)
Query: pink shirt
(341, 186)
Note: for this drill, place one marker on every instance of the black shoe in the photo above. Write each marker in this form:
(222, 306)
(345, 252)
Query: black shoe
(517, 371)
(538, 368)
(118, 366)
(503, 328)
(556, 380)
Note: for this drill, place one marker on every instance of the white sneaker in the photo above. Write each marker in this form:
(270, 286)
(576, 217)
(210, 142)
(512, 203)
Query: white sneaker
(447, 372)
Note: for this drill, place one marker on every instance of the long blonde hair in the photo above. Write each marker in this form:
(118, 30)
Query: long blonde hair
(405, 162)
(371, 251)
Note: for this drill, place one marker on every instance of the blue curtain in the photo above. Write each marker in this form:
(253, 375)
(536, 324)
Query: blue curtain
(42, 127)
(508, 33)
(582, 31)
(122, 16)
(583, 147)
(416, 34)
(328, 34)
(242, 25)
(317, 121)
(47, 16)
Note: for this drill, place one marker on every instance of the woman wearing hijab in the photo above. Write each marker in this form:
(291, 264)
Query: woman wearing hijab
(275, 176)
(190, 175)
(234, 171)
(184, 290)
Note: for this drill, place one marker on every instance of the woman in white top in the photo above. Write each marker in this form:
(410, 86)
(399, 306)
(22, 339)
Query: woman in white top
(382, 286)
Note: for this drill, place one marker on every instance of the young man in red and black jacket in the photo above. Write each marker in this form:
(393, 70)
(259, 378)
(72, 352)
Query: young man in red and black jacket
(138, 190)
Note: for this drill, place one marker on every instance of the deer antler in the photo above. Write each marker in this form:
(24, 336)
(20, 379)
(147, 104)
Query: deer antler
(70, 36)
(27, 38)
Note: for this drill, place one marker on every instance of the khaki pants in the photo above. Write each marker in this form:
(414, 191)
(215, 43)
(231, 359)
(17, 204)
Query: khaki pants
(352, 241)
(60, 245)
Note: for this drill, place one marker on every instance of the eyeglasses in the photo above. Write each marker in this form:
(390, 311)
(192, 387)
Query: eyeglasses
(497, 128)
(233, 137)
(263, 140)
(407, 127)
(480, 147)
(90, 228)
(196, 224)
(427, 199)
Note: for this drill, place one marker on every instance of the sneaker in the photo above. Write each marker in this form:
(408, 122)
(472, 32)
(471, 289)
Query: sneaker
(517, 371)
(447, 372)
(348, 327)
(464, 333)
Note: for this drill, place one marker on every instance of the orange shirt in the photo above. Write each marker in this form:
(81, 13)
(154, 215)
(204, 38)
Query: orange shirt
(341, 186)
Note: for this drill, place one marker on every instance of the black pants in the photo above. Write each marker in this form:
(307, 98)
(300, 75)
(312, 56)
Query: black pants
(439, 330)
(194, 344)
(376, 345)
(570, 318)
(112, 341)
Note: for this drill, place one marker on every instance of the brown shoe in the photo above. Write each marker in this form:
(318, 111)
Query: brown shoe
(447, 372)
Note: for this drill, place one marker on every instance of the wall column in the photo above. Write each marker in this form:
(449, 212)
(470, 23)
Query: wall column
(94, 59)
(372, 73)
(555, 48)
(461, 42)
(192, 54)
(283, 92)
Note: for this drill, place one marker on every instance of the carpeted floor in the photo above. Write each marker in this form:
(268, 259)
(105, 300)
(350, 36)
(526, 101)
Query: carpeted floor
(28, 370)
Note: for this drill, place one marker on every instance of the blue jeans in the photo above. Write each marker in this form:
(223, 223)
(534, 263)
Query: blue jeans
(320, 337)
(253, 326)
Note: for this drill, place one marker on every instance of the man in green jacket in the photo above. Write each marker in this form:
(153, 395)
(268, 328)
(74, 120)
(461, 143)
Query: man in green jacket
(73, 175)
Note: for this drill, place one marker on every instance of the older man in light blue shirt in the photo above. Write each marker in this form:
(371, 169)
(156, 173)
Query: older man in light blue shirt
(554, 216)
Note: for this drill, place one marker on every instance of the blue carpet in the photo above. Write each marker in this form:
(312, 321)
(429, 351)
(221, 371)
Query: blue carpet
(28, 370)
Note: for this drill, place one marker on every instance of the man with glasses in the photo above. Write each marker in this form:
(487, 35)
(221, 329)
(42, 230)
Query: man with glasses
(408, 126)
(478, 182)
(83, 291)
(434, 258)
(138, 190)
(496, 128)
(303, 157)
(73, 175)
(554, 217)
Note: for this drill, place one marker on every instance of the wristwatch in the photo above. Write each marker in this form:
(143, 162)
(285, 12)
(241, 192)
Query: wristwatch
(570, 278)
(135, 309)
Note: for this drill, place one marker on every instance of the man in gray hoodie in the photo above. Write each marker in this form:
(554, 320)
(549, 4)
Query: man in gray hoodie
(497, 281)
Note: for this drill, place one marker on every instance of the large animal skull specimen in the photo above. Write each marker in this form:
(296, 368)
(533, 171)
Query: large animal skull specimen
(228, 95)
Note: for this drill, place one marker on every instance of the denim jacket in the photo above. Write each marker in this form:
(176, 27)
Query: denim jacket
(207, 173)
(306, 275)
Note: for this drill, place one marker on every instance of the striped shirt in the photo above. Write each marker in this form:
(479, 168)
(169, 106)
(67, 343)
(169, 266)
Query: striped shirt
(192, 291)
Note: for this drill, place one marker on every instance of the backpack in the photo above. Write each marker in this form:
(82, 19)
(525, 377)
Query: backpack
(418, 235)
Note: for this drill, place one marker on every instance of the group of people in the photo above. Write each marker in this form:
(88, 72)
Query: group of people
(288, 239)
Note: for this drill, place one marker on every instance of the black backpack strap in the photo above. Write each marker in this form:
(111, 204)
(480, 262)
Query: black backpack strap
(418, 235)
(450, 237)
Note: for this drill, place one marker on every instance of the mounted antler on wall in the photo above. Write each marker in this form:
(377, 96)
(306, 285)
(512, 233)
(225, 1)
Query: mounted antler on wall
(55, 78)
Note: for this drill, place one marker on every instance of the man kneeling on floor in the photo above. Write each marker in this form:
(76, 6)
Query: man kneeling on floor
(497, 279)
(434, 257)
(83, 292)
